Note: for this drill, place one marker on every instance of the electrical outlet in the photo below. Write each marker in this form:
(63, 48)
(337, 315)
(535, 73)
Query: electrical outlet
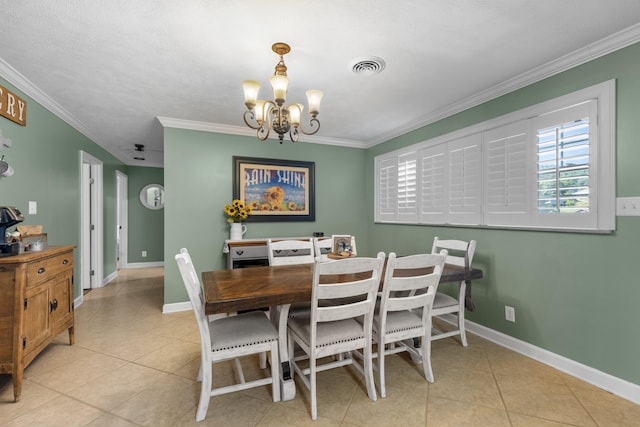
(33, 208)
(144, 254)
(510, 313)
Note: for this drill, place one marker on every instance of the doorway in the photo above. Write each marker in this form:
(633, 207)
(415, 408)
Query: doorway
(91, 234)
(122, 209)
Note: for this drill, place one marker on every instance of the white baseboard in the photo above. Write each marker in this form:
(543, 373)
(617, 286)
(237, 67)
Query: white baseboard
(176, 307)
(78, 301)
(615, 385)
(109, 278)
(145, 264)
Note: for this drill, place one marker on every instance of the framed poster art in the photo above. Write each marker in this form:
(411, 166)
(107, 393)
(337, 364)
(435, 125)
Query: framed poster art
(276, 190)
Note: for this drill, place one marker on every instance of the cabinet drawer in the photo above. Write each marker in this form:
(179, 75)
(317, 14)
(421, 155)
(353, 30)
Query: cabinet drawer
(45, 268)
(248, 252)
(260, 252)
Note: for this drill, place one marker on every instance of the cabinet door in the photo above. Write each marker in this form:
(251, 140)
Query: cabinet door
(7, 310)
(61, 299)
(36, 325)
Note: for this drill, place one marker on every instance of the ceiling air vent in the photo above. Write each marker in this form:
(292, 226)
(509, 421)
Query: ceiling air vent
(368, 66)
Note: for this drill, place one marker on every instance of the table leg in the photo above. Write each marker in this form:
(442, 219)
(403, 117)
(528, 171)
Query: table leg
(279, 317)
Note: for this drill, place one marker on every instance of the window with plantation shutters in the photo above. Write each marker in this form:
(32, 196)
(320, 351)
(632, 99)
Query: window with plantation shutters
(550, 166)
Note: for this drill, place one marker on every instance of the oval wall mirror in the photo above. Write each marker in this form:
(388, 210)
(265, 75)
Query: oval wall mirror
(152, 196)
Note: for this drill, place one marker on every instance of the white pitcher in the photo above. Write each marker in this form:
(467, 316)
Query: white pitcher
(237, 231)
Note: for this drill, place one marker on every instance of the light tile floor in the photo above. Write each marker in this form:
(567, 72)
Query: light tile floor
(132, 365)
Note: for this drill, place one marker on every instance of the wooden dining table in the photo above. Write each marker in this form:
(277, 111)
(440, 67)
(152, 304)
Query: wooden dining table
(276, 288)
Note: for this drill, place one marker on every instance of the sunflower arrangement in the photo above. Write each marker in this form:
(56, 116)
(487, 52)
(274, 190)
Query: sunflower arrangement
(237, 211)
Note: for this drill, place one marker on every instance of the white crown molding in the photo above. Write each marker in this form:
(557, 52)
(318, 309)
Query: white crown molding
(169, 122)
(588, 53)
(25, 85)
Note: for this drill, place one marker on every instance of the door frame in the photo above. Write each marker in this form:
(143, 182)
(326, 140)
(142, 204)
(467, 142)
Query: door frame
(122, 215)
(91, 213)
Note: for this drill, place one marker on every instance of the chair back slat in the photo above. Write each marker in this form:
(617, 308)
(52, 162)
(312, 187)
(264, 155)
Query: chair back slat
(343, 311)
(344, 289)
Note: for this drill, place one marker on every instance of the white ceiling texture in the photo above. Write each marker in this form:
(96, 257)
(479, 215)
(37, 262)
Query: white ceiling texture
(112, 68)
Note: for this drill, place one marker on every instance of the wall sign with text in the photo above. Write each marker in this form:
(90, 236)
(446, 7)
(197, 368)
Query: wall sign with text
(13, 107)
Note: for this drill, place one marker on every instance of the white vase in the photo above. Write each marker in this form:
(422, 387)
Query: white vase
(237, 230)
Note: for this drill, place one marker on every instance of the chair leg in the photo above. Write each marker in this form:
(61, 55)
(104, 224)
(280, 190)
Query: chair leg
(463, 333)
(275, 372)
(199, 378)
(381, 375)
(368, 370)
(205, 390)
(239, 369)
(461, 297)
(312, 388)
(263, 360)
(425, 350)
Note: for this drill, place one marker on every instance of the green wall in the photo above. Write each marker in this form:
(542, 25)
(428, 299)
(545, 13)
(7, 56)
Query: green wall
(146, 226)
(46, 158)
(198, 183)
(575, 295)
(45, 155)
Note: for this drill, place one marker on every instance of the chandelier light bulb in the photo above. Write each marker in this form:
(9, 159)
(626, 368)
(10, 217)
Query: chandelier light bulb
(314, 97)
(295, 112)
(251, 89)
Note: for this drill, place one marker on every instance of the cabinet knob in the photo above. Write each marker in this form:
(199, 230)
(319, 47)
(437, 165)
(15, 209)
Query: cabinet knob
(41, 270)
(65, 261)
(239, 252)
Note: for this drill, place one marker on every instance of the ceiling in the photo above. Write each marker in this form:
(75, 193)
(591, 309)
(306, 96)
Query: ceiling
(113, 68)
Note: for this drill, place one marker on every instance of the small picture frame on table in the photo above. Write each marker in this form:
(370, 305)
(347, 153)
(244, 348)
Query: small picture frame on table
(344, 246)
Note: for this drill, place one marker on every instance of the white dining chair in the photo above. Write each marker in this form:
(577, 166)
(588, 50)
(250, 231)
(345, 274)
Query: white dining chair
(333, 329)
(460, 253)
(228, 338)
(402, 320)
(288, 252)
(322, 247)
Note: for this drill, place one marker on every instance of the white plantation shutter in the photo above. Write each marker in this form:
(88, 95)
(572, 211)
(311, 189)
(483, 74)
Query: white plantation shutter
(566, 146)
(506, 158)
(433, 184)
(386, 189)
(407, 187)
(465, 180)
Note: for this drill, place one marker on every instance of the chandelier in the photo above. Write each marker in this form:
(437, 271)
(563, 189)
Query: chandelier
(266, 115)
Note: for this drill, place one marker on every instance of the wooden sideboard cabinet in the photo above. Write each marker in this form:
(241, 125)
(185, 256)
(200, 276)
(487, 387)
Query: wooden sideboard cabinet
(36, 305)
